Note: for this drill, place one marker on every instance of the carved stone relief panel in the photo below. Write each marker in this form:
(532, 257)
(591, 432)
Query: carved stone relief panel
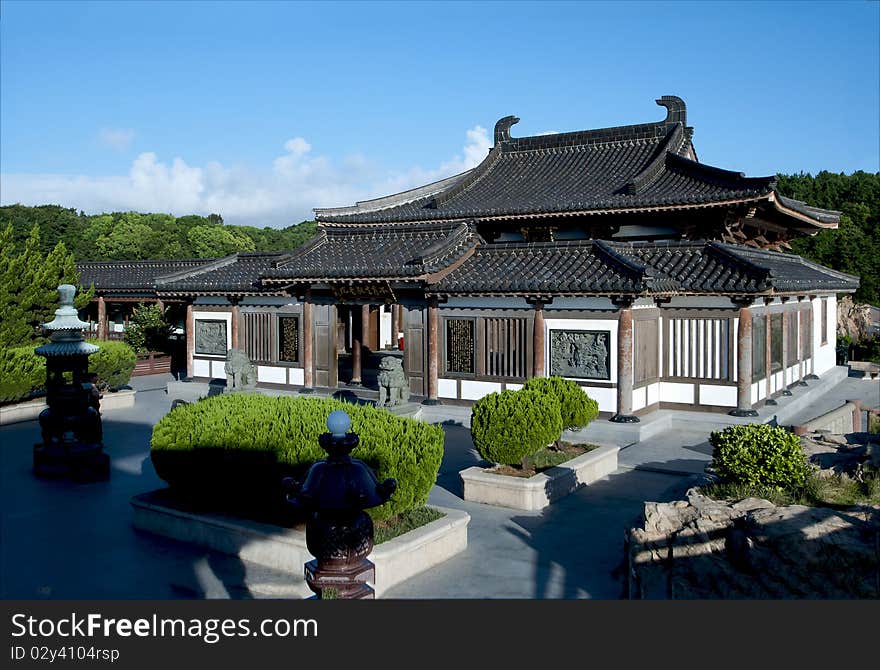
(210, 337)
(580, 354)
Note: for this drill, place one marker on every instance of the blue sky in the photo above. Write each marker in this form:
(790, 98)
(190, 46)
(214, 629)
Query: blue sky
(261, 111)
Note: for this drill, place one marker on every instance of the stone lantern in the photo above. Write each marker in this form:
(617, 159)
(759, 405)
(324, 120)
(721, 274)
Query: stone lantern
(70, 425)
(339, 533)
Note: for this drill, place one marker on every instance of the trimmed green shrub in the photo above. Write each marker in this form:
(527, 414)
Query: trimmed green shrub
(577, 408)
(113, 363)
(148, 329)
(512, 426)
(21, 373)
(234, 449)
(759, 455)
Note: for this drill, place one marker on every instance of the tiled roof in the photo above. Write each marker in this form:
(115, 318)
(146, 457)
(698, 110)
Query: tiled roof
(126, 276)
(238, 273)
(587, 267)
(640, 167)
(377, 252)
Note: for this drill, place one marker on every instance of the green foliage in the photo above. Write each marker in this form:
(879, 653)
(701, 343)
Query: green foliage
(512, 426)
(235, 448)
(759, 455)
(148, 329)
(21, 373)
(113, 363)
(852, 248)
(136, 236)
(577, 408)
(29, 281)
(405, 522)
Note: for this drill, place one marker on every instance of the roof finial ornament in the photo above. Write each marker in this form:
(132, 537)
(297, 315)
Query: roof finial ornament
(502, 129)
(676, 110)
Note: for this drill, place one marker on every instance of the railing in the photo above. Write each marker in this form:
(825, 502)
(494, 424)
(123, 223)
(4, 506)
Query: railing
(152, 363)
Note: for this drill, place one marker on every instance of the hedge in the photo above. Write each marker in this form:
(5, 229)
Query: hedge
(759, 455)
(512, 426)
(234, 449)
(113, 363)
(577, 408)
(21, 373)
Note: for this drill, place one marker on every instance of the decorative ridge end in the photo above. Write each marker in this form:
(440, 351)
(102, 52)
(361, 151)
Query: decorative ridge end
(676, 110)
(502, 129)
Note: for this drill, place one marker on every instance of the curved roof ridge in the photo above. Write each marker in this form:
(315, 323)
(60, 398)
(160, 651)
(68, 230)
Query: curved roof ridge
(393, 200)
(655, 166)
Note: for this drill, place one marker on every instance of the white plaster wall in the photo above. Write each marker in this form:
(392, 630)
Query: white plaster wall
(583, 324)
(447, 388)
(712, 394)
(581, 303)
(497, 303)
(639, 398)
(754, 393)
(777, 382)
(699, 302)
(653, 391)
(269, 300)
(514, 387)
(677, 392)
(384, 329)
(271, 374)
(606, 397)
(471, 390)
(296, 376)
(201, 368)
(826, 357)
(216, 316)
(218, 369)
(792, 374)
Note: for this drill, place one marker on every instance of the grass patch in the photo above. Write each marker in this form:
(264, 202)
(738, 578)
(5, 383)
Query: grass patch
(837, 491)
(404, 522)
(545, 459)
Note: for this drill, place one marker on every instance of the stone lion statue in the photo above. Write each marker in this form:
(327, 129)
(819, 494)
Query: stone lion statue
(241, 374)
(393, 384)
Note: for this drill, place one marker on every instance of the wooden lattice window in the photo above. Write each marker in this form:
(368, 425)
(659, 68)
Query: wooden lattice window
(288, 339)
(646, 356)
(791, 338)
(460, 346)
(698, 348)
(259, 335)
(775, 342)
(506, 347)
(806, 333)
(759, 347)
(824, 320)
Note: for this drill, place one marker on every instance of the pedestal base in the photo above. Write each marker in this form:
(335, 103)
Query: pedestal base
(811, 376)
(306, 389)
(625, 418)
(431, 401)
(786, 392)
(770, 401)
(348, 583)
(80, 462)
(743, 412)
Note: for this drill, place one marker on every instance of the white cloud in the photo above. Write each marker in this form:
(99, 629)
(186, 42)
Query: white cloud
(285, 193)
(119, 139)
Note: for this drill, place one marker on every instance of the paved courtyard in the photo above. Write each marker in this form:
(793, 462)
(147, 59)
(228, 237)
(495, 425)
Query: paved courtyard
(64, 540)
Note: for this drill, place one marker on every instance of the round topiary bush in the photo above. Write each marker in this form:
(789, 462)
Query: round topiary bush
(759, 455)
(512, 426)
(234, 449)
(113, 363)
(21, 373)
(577, 408)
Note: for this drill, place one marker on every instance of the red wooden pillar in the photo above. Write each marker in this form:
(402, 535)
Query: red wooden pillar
(308, 368)
(356, 340)
(395, 326)
(235, 323)
(190, 339)
(102, 318)
(538, 341)
(744, 363)
(624, 364)
(433, 352)
(768, 361)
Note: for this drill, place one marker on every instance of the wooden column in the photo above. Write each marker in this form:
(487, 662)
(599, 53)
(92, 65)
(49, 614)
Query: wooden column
(366, 328)
(433, 352)
(395, 326)
(538, 341)
(624, 364)
(785, 353)
(812, 374)
(236, 315)
(190, 339)
(160, 304)
(308, 365)
(102, 318)
(768, 360)
(356, 339)
(744, 364)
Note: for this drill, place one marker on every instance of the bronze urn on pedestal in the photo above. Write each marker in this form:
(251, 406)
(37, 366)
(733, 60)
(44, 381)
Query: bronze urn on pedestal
(339, 533)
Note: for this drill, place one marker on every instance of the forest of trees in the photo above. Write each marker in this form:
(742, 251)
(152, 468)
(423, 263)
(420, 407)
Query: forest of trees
(135, 236)
(853, 248)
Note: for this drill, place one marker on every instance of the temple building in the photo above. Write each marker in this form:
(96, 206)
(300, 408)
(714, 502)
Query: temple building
(612, 257)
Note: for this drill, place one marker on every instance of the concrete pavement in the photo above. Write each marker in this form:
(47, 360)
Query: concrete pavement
(63, 540)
